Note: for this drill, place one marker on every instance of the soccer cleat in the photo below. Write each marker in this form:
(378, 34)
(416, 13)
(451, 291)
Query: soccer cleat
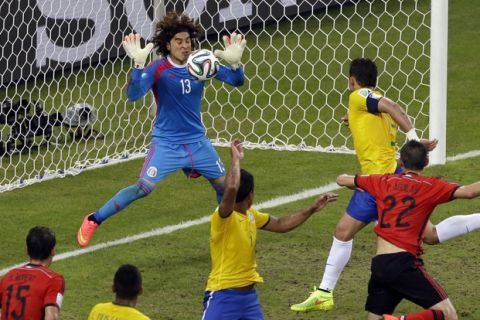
(86, 231)
(317, 301)
(389, 317)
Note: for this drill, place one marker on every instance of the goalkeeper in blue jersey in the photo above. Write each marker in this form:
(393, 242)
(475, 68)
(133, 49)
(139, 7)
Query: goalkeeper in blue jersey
(178, 135)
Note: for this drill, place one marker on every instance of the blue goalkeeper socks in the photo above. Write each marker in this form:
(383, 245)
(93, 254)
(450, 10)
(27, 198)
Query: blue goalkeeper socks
(122, 199)
(134, 192)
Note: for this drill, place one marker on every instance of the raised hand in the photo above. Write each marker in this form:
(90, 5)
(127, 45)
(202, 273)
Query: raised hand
(237, 149)
(429, 144)
(131, 45)
(234, 46)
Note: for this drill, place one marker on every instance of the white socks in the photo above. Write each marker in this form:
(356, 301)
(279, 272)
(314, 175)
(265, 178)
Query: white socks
(341, 251)
(457, 225)
(338, 257)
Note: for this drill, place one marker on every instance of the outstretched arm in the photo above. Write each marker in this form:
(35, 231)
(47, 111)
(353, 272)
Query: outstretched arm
(232, 180)
(140, 80)
(235, 78)
(139, 83)
(468, 192)
(293, 220)
(346, 180)
(232, 55)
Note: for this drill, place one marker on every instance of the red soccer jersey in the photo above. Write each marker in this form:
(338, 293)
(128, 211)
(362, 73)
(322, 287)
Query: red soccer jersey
(26, 291)
(404, 204)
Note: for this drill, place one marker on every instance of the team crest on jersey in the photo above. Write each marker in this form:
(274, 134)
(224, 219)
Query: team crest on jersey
(152, 172)
(364, 92)
(250, 217)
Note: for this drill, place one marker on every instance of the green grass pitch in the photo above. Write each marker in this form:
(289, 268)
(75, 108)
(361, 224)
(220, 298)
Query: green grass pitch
(175, 266)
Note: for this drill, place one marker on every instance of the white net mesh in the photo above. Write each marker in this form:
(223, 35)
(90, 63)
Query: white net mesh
(61, 53)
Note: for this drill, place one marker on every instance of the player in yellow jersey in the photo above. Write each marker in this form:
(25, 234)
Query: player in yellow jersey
(127, 285)
(230, 292)
(373, 120)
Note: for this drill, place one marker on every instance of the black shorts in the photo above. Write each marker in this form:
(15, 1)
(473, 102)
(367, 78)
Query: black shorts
(400, 275)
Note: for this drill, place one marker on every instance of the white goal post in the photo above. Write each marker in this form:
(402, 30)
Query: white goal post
(438, 80)
(61, 54)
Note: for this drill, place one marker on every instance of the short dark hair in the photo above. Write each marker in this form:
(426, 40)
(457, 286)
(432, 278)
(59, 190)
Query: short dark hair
(172, 24)
(40, 243)
(127, 282)
(414, 155)
(247, 185)
(364, 71)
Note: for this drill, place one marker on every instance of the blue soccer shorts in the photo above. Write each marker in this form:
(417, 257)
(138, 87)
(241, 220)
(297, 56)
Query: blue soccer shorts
(362, 205)
(231, 304)
(165, 158)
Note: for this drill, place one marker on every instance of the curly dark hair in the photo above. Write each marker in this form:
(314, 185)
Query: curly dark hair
(172, 24)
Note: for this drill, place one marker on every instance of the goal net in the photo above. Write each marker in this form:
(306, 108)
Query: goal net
(64, 73)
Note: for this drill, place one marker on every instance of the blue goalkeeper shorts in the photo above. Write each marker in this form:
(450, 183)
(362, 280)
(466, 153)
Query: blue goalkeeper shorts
(198, 158)
(231, 304)
(362, 205)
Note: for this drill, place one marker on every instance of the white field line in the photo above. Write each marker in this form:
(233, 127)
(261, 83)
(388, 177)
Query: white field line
(184, 225)
(470, 154)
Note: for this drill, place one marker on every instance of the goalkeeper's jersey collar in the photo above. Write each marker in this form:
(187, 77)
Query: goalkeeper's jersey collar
(174, 64)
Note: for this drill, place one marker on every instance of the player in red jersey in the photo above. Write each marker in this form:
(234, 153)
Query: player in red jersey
(33, 291)
(405, 202)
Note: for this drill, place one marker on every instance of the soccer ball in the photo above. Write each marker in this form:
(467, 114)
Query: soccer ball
(202, 64)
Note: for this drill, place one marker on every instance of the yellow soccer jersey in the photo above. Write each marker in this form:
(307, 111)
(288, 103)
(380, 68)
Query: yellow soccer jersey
(232, 249)
(374, 133)
(111, 311)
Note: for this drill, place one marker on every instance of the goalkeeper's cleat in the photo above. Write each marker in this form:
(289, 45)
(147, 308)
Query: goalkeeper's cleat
(389, 317)
(86, 231)
(317, 301)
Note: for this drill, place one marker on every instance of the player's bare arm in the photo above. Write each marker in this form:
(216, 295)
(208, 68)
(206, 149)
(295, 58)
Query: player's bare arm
(399, 115)
(232, 180)
(346, 180)
(293, 220)
(52, 313)
(468, 192)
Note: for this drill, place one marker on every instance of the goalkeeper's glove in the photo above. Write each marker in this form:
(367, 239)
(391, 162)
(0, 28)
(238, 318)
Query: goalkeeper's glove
(234, 47)
(131, 44)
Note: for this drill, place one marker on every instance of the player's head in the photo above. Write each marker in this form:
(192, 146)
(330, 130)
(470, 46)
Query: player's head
(127, 283)
(176, 35)
(414, 156)
(41, 243)
(246, 188)
(362, 74)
